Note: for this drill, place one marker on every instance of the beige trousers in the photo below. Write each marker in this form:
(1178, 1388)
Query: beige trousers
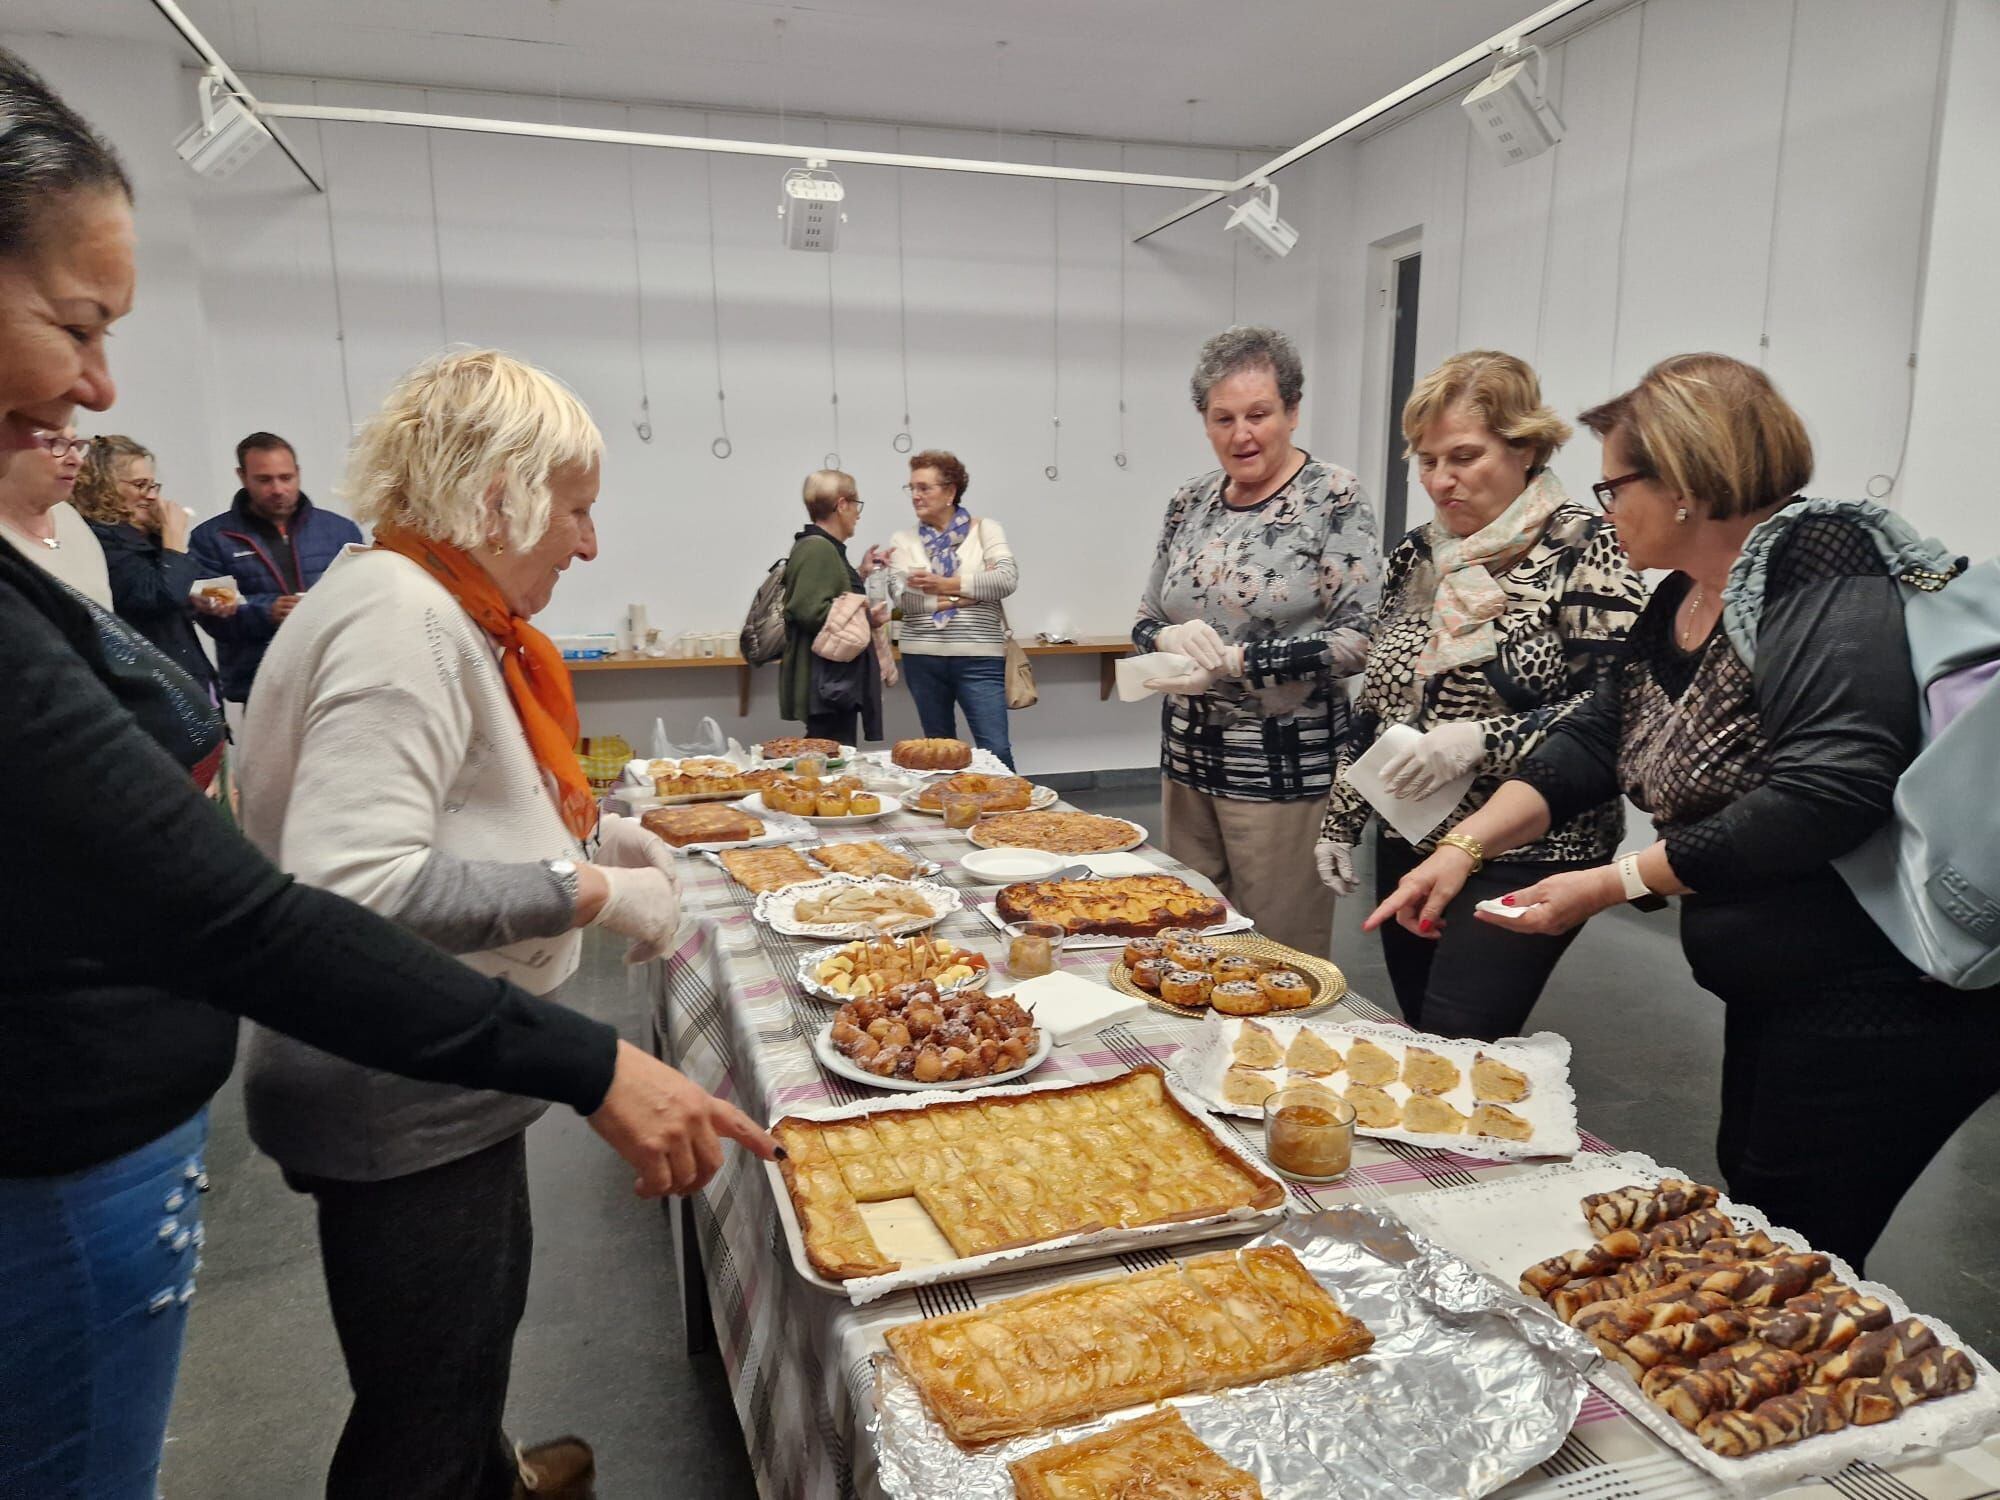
(1260, 855)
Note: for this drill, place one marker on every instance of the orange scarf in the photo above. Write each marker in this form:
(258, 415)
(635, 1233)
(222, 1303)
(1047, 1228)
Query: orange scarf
(537, 681)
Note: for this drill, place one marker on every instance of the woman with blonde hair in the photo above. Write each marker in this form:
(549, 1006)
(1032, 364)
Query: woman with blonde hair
(1498, 617)
(415, 751)
(1844, 1068)
(836, 700)
(145, 541)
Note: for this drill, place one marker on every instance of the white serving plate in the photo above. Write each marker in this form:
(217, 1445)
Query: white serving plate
(775, 908)
(1038, 798)
(1550, 1106)
(982, 760)
(909, 1232)
(1505, 1226)
(754, 803)
(812, 960)
(1138, 837)
(785, 762)
(1009, 866)
(832, 1059)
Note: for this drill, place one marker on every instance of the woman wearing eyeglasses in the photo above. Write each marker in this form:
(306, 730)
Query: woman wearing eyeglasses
(948, 574)
(36, 484)
(1498, 617)
(145, 542)
(1844, 1069)
(836, 700)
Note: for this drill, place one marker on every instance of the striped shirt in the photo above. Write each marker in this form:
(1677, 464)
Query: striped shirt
(987, 574)
(1293, 580)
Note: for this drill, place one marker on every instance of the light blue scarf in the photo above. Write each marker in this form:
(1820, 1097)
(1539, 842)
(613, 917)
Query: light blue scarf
(942, 548)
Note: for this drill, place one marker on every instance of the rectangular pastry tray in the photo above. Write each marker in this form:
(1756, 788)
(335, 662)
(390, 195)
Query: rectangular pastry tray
(1504, 1227)
(901, 1217)
(1086, 942)
(1550, 1108)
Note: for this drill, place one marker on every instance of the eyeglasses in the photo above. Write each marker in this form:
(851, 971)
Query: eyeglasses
(59, 446)
(150, 488)
(854, 500)
(1607, 490)
(923, 489)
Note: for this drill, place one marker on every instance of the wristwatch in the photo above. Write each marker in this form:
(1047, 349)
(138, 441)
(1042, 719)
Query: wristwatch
(563, 873)
(1637, 892)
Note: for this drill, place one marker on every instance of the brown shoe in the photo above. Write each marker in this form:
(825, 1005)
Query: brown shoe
(565, 1469)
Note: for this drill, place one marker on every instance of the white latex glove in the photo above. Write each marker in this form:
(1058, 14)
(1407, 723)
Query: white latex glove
(1197, 640)
(627, 844)
(1336, 867)
(1446, 752)
(1198, 680)
(644, 905)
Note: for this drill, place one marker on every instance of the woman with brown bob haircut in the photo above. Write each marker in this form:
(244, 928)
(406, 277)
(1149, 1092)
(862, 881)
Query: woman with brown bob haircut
(1845, 1069)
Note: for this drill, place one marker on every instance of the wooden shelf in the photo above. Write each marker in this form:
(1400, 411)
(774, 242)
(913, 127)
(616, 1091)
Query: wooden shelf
(1106, 648)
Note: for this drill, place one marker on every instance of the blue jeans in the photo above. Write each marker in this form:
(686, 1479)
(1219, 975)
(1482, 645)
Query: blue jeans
(98, 1268)
(978, 684)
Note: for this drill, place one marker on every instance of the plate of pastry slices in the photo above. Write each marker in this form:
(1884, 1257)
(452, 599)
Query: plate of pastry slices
(1057, 832)
(1510, 1098)
(847, 906)
(994, 794)
(872, 967)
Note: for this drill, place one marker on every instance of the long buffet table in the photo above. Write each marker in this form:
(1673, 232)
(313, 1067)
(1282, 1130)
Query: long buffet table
(729, 1012)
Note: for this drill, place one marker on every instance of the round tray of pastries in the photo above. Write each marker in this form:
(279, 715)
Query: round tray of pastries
(835, 800)
(1057, 832)
(994, 794)
(914, 1037)
(1241, 974)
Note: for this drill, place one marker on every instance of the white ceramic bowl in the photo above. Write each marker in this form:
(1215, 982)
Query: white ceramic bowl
(1005, 866)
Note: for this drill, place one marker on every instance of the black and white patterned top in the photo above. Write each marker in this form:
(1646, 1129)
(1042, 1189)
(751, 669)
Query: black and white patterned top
(1571, 599)
(1293, 580)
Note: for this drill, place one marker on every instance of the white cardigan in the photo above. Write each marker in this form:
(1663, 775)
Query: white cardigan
(987, 573)
(387, 764)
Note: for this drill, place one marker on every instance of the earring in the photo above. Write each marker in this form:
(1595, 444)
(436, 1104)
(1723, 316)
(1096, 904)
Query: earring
(1680, 515)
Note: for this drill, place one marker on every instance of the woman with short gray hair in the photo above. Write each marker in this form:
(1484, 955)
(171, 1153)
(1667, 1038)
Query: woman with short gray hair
(1265, 578)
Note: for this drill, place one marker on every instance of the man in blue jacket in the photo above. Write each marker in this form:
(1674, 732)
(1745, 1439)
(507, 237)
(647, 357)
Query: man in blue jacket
(275, 543)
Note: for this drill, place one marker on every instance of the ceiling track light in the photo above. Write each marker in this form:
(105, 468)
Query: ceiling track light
(1511, 113)
(809, 208)
(227, 134)
(1257, 218)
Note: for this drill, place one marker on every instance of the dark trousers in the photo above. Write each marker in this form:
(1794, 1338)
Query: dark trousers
(1474, 980)
(838, 726)
(427, 1276)
(941, 685)
(1844, 1071)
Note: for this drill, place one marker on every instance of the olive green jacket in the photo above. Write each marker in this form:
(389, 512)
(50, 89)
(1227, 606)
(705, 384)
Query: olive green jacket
(816, 574)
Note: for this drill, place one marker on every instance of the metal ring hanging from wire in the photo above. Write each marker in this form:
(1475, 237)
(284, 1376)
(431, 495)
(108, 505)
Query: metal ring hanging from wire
(1055, 323)
(902, 442)
(721, 447)
(1124, 243)
(644, 425)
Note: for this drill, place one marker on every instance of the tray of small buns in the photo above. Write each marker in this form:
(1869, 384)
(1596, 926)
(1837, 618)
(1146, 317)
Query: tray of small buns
(1509, 1098)
(832, 801)
(1757, 1359)
(887, 1194)
(850, 906)
(676, 782)
(1185, 973)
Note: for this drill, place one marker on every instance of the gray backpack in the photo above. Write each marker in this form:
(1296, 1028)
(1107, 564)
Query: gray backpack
(1930, 876)
(763, 638)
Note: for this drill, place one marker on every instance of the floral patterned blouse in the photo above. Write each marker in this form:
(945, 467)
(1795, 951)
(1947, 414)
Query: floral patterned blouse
(1571, 600)
(1293, 580)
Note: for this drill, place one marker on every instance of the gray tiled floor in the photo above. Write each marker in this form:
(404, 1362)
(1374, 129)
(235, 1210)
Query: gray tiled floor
(601, 1352)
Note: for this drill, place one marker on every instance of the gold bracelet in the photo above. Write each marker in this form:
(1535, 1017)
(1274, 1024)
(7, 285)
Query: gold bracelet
(1468, 846)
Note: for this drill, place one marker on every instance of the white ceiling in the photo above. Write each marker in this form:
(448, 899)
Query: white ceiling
(1265, 72)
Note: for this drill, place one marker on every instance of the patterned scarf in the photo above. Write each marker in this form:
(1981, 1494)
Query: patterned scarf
(538, 683)
(1468, 598)
(942, 547)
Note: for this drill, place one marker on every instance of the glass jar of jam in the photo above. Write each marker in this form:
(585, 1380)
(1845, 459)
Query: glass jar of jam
(1309, 1133)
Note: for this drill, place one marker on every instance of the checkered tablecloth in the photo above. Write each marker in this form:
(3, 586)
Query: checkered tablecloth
(728, 1011)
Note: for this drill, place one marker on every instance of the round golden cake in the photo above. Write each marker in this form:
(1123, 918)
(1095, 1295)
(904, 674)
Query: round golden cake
(1055, 832)
(932, 755)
